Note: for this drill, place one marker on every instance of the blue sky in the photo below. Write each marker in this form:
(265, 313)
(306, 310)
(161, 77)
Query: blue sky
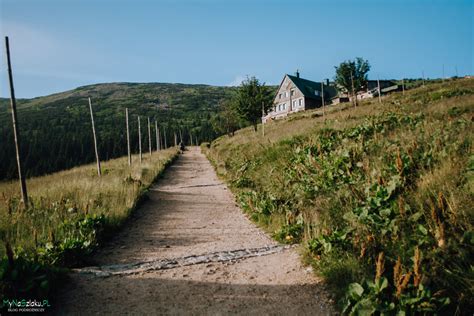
(62, 44)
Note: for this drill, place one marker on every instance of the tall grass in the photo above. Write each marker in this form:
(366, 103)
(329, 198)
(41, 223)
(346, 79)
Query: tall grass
(380, 195)
(60, 199)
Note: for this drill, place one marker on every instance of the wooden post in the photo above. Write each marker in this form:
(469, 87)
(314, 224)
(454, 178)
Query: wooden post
(157, 132)
(175, 140)
(149, 136)
(128, 139)
(322, 95)
(24, 193)
(378, 85)
(191, 138)
(403, 86)
(423, 77)
(263, 115)
(353, 93)
(140, 140)
(95, 139)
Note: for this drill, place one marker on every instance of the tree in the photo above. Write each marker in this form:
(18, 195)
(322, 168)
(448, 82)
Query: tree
(351, 75)
(227, 121)
(251, 96)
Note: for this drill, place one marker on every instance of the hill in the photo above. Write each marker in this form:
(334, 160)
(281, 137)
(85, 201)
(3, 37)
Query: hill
(56, 133)
(380, 196)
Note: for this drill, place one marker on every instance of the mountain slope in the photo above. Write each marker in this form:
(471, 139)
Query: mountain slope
(56, 133)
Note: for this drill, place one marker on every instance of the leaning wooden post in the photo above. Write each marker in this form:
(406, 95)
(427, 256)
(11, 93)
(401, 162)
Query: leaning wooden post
(175, 140)
(128, 139)
(378, 87)
(140, 140)
(149, 136)
(24, 193)
(157, 132)
(99, 173)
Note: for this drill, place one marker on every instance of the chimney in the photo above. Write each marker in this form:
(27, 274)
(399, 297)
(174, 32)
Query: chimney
(327, 82)
(297, 73)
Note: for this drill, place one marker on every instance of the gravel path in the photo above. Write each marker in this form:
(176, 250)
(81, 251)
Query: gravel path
(190, 250)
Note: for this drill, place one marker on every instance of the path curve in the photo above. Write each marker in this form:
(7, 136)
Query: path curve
(191, 214)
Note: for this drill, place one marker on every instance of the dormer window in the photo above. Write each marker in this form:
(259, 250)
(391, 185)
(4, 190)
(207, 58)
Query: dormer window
(292, 92)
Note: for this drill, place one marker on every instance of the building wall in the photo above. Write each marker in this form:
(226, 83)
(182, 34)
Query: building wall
(287, 102)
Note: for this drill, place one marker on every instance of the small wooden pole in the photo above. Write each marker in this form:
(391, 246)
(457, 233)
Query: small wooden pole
(99, 173)
(149, 136)
(191, 138)
(140, 140)
(128, 139)
(322, 95)
(353, 92)
(24, 193)
(423, 77)
(157, 132)
(263, 115)
(403, 86)
(378, 85)
(175, 140)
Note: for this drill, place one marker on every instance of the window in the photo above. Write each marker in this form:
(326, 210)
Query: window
(294, 104)
(292, 92)
(279, 107)
(286, 94)
(283, 106)
(300, 102)
(279, 96)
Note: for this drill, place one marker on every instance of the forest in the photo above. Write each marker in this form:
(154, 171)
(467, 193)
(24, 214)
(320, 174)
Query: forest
(55, 130)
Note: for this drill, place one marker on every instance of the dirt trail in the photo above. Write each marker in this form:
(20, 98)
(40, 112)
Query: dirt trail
(191, 212)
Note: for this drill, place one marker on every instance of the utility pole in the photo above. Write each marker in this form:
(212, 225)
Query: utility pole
(378, 88)
(157, 131)
(140, 140)
(128, 139)
(353, 93)
(24, 193)
(149, 136)
(95, 139)
(322, 95)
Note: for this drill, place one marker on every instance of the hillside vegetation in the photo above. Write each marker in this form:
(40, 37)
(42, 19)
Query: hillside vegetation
(70, 213)
(56, 133)
(380, 196)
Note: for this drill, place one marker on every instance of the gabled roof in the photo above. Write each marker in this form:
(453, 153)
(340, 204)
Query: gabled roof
(308, 87)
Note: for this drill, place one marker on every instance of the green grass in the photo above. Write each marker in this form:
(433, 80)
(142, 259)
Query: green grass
(391, 180)
(70, 214)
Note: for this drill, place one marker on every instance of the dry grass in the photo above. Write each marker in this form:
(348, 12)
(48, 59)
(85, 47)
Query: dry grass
(65, 195)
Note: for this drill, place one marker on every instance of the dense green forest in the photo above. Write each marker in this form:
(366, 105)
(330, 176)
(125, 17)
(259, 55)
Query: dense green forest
(56, 131)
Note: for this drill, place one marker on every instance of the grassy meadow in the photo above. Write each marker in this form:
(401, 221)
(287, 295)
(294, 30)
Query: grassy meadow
(72, 210)
(381, 196)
